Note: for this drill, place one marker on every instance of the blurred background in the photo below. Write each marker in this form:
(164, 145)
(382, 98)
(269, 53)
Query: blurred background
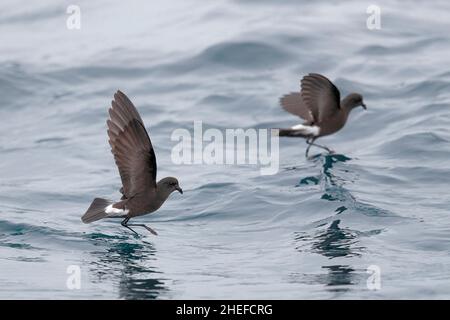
(310, 231)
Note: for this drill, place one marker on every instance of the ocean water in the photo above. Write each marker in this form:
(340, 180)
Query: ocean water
(314, 230)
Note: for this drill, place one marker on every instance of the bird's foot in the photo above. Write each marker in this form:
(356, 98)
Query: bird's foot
(314, 156)
(151, 230)
(135, 233)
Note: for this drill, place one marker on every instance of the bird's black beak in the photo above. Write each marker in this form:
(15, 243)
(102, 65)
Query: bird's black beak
(179, 189)
(363, 105)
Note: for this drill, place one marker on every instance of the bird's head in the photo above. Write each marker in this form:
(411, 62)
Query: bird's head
(169, 185)
(354, 100)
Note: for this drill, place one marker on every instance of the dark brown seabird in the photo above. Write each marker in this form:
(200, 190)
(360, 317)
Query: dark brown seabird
(319, 104)
(134, 156)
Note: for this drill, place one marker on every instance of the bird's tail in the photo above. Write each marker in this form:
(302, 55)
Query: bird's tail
(96, 210)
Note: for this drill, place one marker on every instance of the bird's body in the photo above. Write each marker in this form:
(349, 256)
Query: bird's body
(319, 105)
(135, 158)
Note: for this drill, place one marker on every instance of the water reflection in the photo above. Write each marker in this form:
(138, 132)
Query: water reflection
(336, 242)
(332, 242)
(326, 175)
(130, 265)
(339, 277)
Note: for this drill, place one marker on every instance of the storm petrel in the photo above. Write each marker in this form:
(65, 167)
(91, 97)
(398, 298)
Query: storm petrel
(319, 104)
(134, 156)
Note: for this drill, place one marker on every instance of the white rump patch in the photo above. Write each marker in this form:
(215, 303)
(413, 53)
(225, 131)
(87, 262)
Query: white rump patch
(113, 212)
(311, 130)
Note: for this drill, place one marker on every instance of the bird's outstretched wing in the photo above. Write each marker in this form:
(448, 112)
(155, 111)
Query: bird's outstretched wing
(293, 103)
(131, 147)
(320, 96)
(123, 106)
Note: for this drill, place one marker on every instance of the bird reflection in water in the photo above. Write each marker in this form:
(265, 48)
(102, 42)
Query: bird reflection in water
(130, 263)
(339, 277)
(334, 241)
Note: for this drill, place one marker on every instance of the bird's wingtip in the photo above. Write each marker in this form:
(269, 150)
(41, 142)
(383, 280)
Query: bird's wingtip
(120, 93)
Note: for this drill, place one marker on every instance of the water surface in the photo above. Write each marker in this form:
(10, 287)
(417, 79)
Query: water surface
(310, 231)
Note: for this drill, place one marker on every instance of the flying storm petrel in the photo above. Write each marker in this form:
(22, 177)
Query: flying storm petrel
(319, 104)
(134, 156)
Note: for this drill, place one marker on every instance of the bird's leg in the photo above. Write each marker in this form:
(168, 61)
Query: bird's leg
(145, 226)
(310, 143)
(125, 224)
(323, 147)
